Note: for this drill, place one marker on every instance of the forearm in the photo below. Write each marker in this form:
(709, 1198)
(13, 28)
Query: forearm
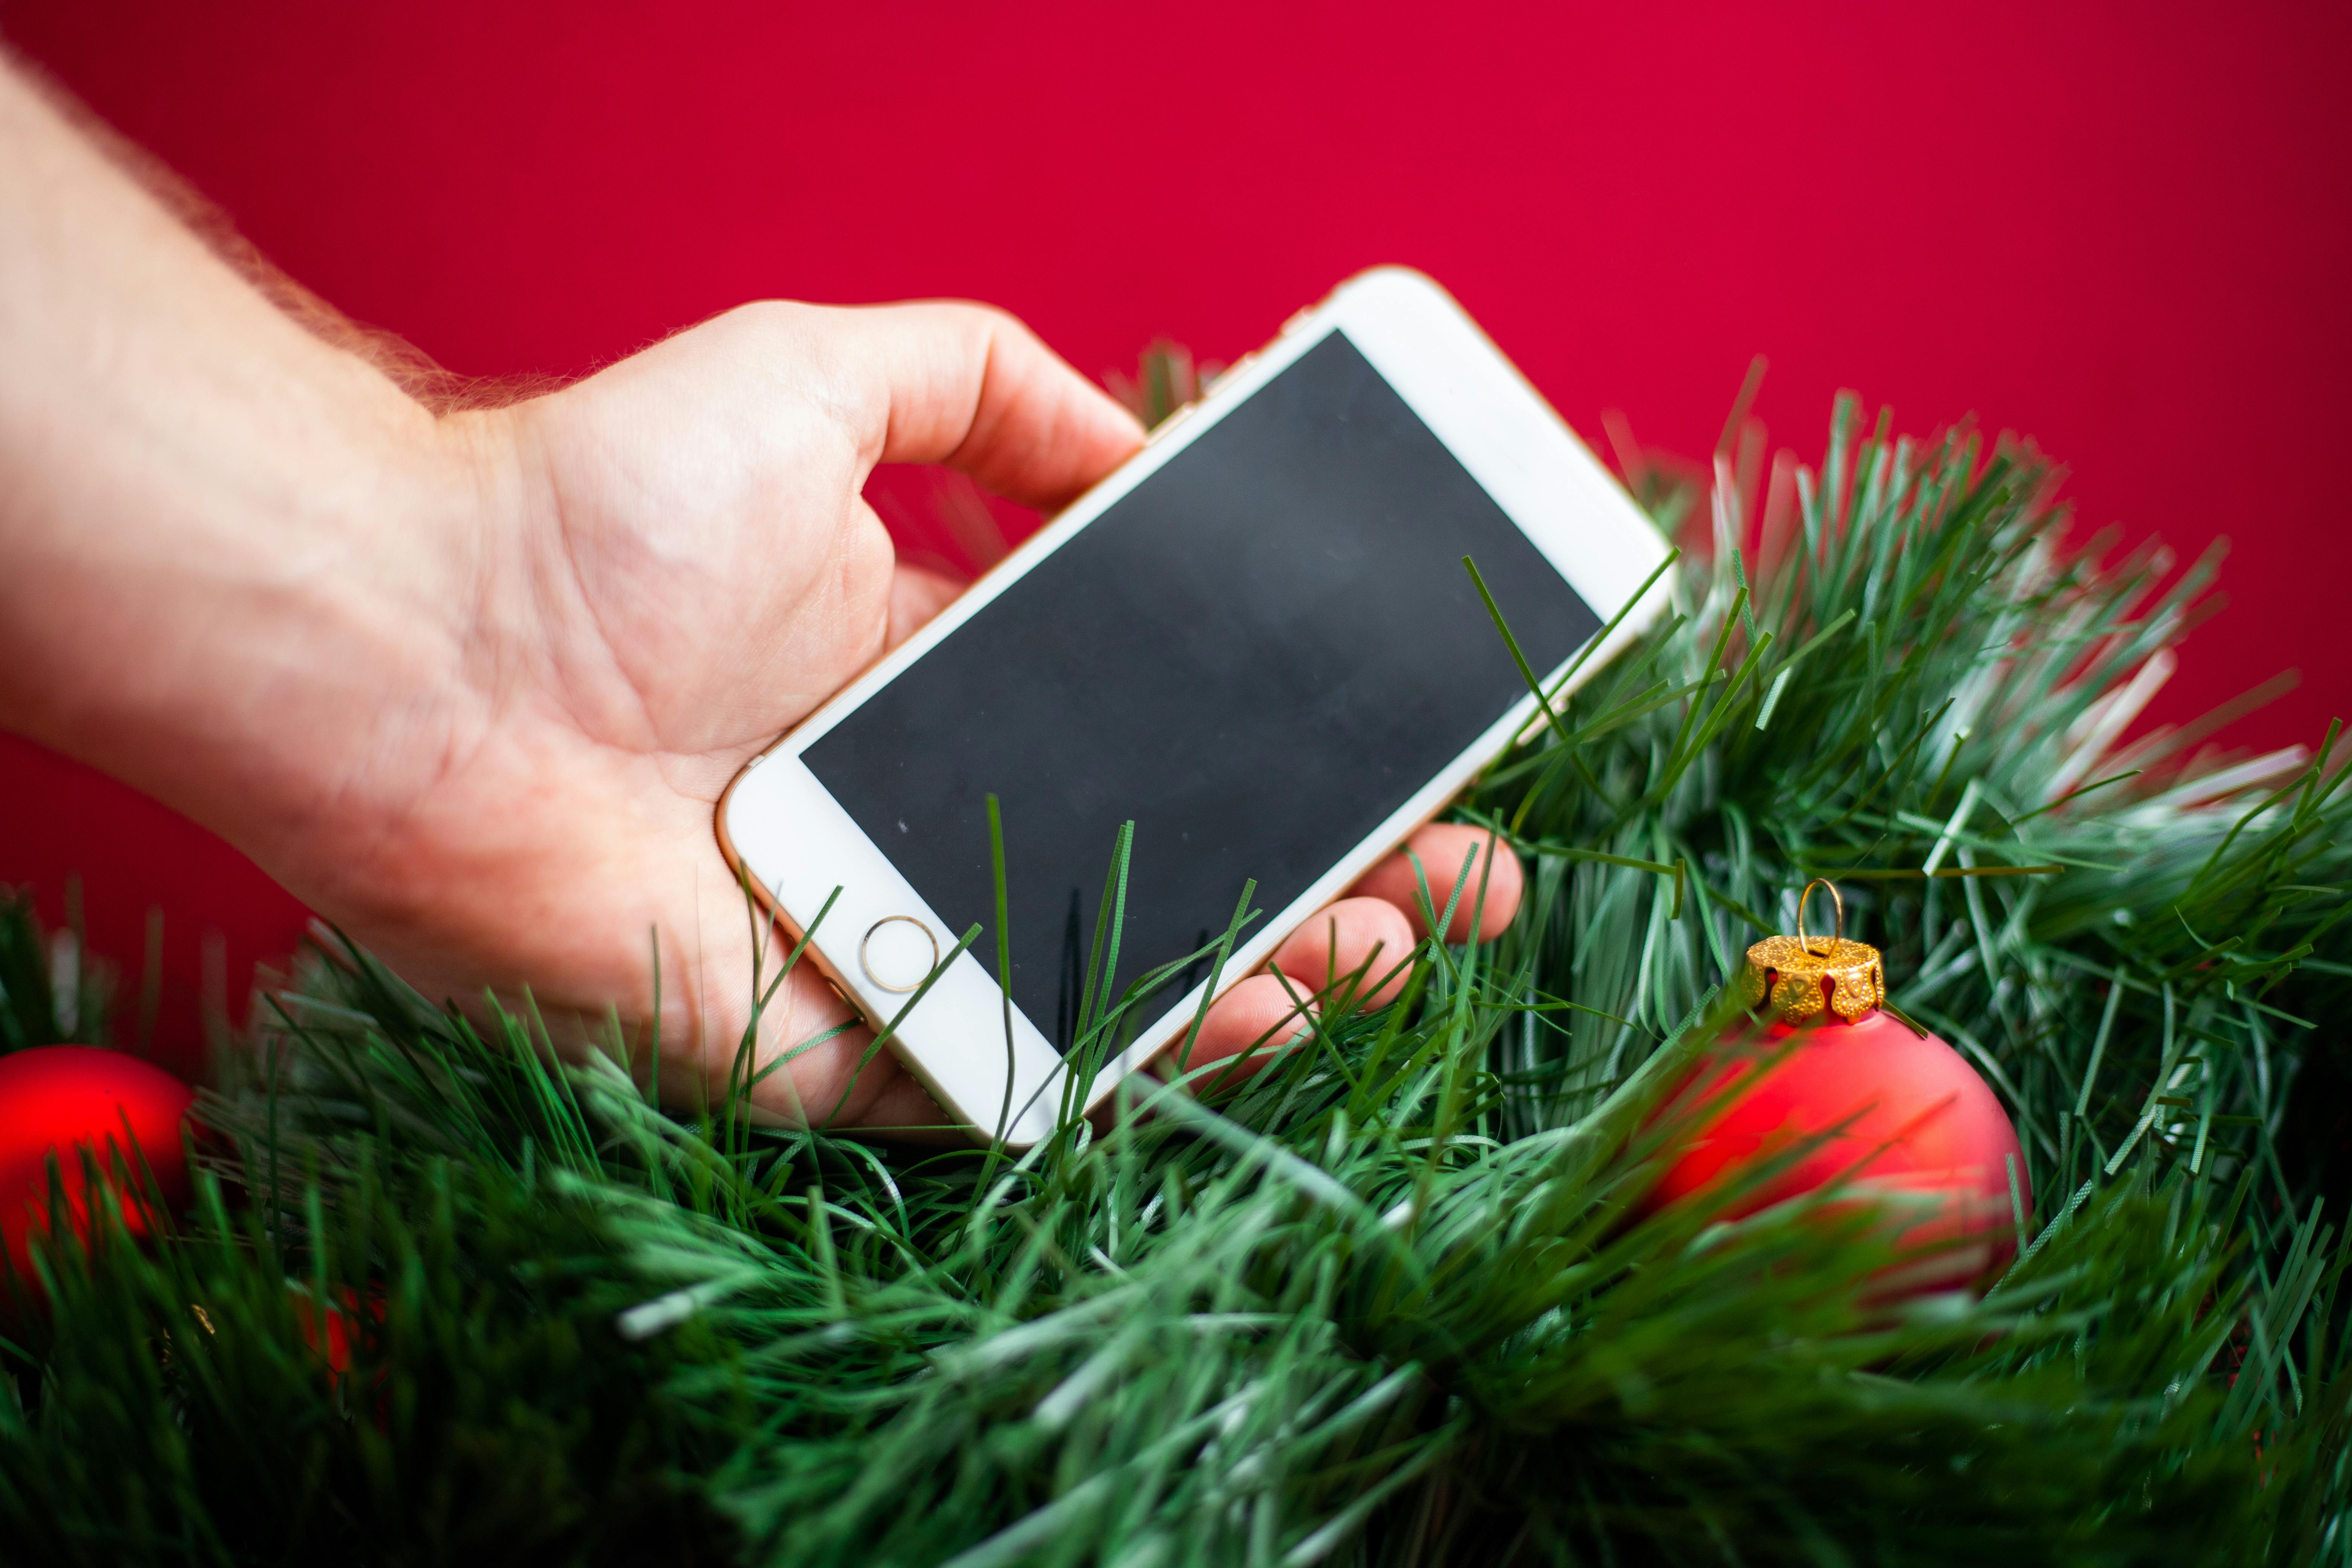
(204, 508)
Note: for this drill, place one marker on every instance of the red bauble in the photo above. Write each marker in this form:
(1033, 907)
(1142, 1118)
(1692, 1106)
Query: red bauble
(59, 1099)
(334, 1333)
(1857, 1096)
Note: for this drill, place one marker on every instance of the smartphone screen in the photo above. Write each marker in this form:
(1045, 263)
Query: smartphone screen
(1256, 655)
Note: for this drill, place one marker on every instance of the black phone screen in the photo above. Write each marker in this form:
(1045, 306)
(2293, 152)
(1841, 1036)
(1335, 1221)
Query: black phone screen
(1256, 655)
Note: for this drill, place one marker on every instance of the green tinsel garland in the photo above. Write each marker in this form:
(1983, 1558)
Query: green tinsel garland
(1385, 1308)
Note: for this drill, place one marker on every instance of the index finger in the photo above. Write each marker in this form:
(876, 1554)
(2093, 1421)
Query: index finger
(970, 386)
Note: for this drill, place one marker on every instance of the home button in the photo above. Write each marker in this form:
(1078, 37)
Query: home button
(898, 953)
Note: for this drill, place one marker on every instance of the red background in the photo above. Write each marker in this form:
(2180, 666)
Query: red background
(2122, 230)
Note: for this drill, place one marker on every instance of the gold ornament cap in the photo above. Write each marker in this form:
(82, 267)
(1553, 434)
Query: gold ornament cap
(1804, 977)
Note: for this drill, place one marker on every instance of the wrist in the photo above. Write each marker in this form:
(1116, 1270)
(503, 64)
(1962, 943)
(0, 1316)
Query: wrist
(248, 639)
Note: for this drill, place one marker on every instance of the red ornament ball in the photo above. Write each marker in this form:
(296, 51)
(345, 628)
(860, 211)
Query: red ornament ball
(332, 1332)
(60, 1098)
(1847, 1092)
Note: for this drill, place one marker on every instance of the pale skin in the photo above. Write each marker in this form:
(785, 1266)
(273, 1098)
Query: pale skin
(469, 681)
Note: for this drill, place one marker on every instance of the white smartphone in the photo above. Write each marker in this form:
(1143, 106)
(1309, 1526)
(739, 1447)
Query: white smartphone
(1256, 642)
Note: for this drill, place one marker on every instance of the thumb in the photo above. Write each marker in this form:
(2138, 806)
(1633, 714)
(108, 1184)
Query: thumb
(971, 387)
(916, 593)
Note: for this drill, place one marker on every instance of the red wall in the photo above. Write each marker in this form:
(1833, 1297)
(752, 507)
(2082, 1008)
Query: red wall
(2124, 229)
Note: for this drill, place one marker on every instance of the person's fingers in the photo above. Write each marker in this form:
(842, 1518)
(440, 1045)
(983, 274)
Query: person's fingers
(1441, 848)
(900, 1106)
(1370, 935)
(971, 387)
(1260, 1017)
(916, 593)
(834, 1076)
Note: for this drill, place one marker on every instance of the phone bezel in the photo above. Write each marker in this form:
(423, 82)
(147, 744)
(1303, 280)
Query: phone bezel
(796, 847)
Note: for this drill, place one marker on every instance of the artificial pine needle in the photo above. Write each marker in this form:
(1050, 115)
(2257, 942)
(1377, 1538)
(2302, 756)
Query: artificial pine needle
(1390, 1301)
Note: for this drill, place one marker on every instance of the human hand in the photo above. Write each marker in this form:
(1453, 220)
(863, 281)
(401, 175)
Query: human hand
(471, 686)
(678, 566)
(681, 568)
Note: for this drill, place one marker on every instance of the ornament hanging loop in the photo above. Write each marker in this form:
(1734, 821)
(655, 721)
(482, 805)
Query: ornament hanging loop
(1837, 901)
(1800, 977)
